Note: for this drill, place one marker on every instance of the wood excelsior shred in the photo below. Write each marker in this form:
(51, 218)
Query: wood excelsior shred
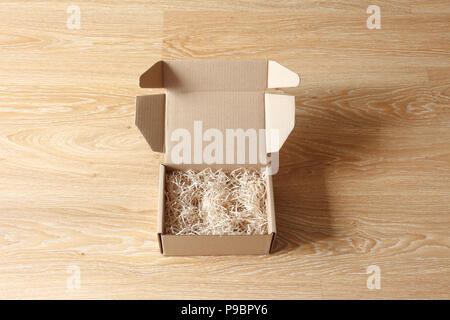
(216, 202)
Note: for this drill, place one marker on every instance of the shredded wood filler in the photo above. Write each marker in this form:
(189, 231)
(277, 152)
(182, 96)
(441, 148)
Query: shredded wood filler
(216, 202)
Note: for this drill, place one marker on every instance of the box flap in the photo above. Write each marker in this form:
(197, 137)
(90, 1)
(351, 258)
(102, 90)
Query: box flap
(150, 119)
(153, 77)
(218, 75)
(280, 120)
(279, 76)
(221, 95)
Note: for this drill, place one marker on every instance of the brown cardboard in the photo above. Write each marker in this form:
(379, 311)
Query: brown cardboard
(216, 109)
(150, 119)
(223, 95)
(216, 245)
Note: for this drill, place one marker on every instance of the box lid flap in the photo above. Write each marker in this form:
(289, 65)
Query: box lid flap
(218, 75)
(150, 119)
(280, 120)
(279, 76)
(153, 77)
(219, 96)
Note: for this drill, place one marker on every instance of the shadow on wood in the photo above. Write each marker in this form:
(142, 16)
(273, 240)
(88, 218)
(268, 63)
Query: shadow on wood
(327, 141)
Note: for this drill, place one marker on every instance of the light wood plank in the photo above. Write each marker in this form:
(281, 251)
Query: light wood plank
(364, 177)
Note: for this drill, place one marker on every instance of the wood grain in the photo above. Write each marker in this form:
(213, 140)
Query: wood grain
(364, 177)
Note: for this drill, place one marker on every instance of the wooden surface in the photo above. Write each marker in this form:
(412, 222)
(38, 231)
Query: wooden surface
(364, 178)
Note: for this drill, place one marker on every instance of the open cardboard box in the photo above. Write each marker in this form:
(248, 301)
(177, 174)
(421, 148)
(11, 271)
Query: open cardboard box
(222, 94)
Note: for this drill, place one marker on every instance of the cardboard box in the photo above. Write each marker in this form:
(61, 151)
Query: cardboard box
(225, 96)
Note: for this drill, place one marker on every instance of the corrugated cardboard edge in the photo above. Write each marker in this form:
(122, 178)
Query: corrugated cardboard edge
(280, 120)
(150, 119)
(271, 209)
(161, 200)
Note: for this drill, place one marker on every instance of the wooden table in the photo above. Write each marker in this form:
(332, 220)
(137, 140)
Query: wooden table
(364, 183)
